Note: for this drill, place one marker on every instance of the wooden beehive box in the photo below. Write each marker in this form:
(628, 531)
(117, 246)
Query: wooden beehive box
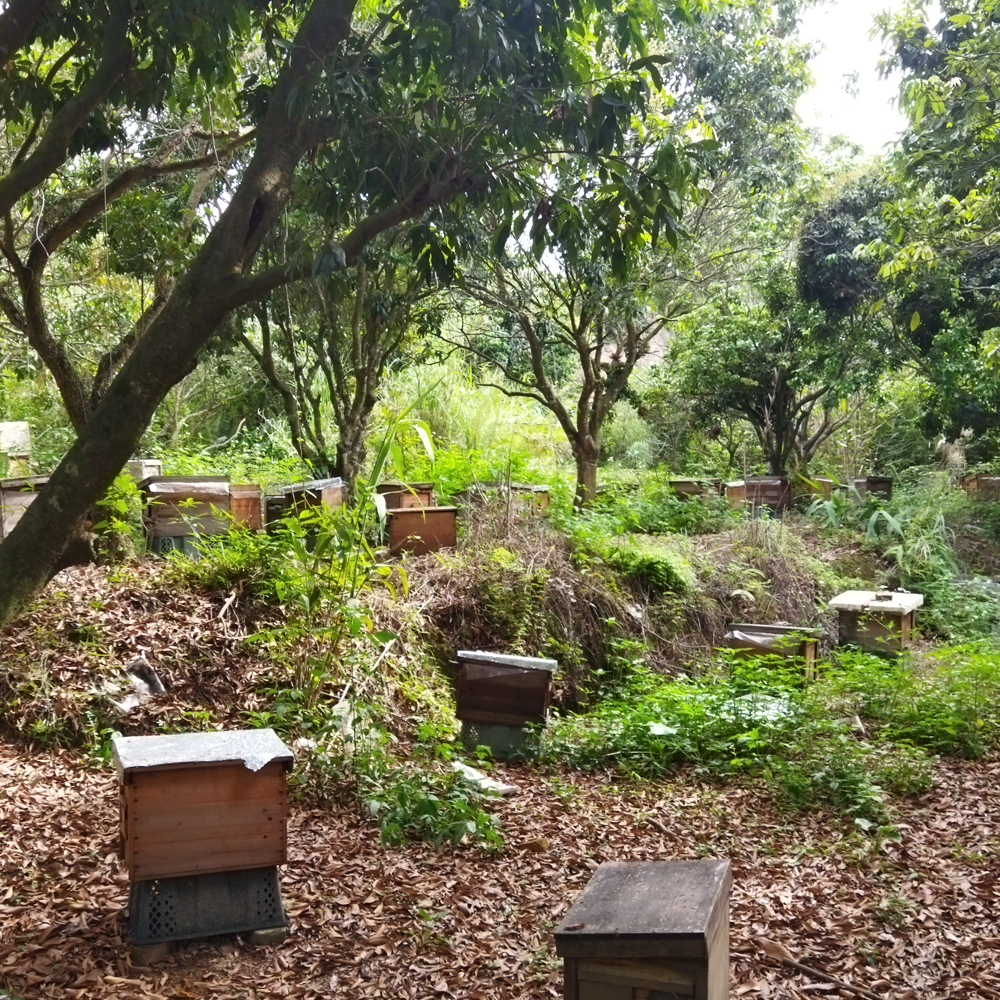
(141, 469)
(820, 487)
(327, 493)
(774, 492)
(687, 487)
(789, 641)
(16, 495)
(987, 487)
(649, 929)
(878, 485)
(505, 690)
(736, 493)
(185, 505)
(247, 502)
(194, 803)
(881, 622)
(400, 495)
(422, 529)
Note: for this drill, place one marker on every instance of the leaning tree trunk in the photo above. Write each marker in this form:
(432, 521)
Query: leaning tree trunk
(213, 286)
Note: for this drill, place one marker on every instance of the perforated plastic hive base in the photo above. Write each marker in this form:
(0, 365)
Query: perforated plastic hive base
(175, 909)
(505, 742)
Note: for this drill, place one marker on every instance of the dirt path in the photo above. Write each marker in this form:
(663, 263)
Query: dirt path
(919, 919)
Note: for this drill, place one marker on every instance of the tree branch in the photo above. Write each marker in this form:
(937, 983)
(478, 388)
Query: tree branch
(52, 150)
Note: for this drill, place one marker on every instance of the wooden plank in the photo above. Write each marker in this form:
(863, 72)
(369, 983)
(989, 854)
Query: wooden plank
(650, 975)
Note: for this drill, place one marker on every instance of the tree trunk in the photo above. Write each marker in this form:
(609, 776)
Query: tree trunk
(586, 453)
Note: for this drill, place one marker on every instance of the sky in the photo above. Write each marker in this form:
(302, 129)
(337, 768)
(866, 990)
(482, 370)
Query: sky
(841, 28)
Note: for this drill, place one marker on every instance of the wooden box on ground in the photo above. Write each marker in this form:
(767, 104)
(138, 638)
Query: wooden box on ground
(503, 689)
(15, 496)
(422, 529)
(194, 803)
(327, 493)
(141, 469)
(774, 492)
(788, 641)
(649, 929)
(878, 485)
(247, 502)
(820, 487)
(525, 497)
(185, 505)
(981, 485)
(881, 622)
(736, 493)
(686, 487)
(400, 495)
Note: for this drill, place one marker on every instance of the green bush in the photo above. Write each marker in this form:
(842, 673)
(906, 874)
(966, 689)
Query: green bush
(657, 567)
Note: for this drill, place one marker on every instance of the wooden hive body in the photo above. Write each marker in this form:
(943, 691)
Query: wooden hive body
(880, 624)
(422, 529)
(400, 496)
(789, 641)
(327, 493)
(16, 495)
(247, 503)
(504, 690)
(642, 929)
(879, 485)
(196, 803)
(185, 505)
(688, 487)
(768, 491)
(736, 493)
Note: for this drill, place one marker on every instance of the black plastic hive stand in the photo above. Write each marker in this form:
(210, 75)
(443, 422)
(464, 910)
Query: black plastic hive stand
(175, 909)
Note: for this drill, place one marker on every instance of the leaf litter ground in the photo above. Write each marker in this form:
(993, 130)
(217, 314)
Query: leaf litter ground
(917, 919)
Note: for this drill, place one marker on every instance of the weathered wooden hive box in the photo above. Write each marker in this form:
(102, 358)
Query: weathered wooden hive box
(15, 444)
(774, 492)
(820, 487)
(981, 485)
(247, 502)
(877, 485)
(789, 641)
(400, 496)
(689, 487)
(141, 469)
(736, 493)
(503, 689)
(879, 621)
(16, 495)
(422, 529)
(196, 803)
(185, 505)
(649, 929)
(314, 493)
(523, 497)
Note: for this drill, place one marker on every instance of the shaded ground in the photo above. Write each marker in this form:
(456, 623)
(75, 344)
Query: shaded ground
(919, 919)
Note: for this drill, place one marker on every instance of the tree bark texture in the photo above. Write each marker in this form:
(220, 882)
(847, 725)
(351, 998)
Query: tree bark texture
(213, 285)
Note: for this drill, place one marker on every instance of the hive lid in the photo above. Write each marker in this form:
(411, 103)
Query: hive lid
(253, 747)
(647, 901)
(313, 484)
(868, 600)
(506, 660)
